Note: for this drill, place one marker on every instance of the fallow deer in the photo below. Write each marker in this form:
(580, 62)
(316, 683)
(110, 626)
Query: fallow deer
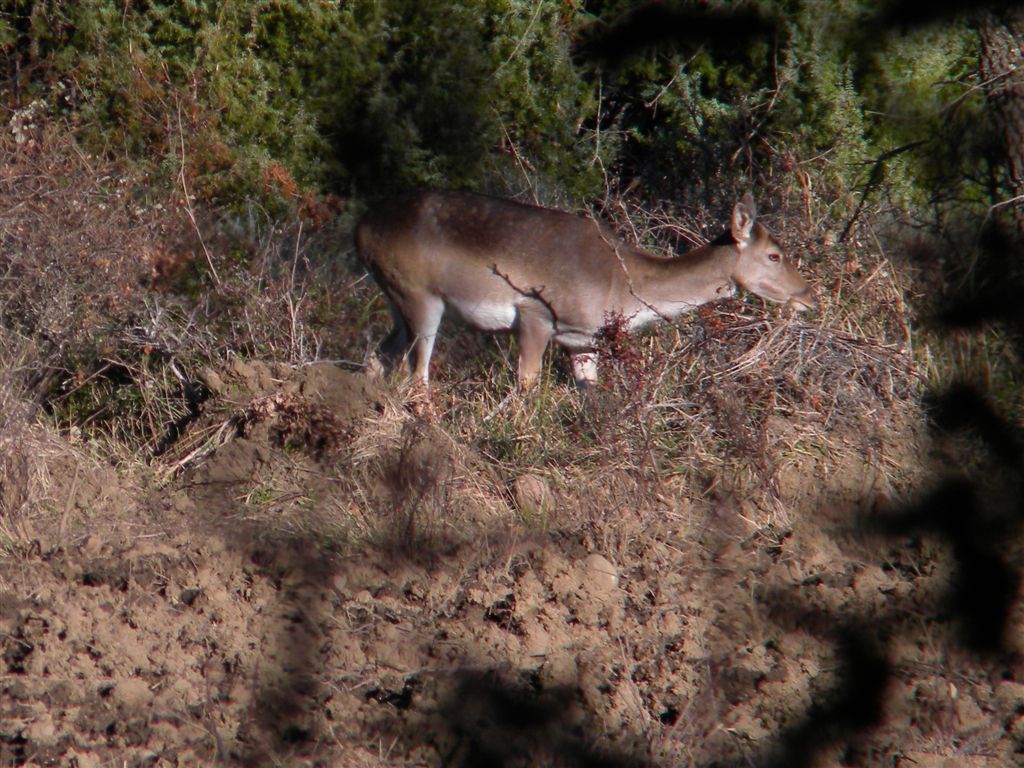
(545, 274)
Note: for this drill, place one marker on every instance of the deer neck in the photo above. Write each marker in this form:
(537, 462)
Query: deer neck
(669, 287)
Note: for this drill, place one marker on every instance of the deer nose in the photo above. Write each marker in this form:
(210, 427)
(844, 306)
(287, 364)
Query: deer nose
(804, 300)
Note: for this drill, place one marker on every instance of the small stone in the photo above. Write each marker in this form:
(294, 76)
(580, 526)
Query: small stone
(1009, 695)
(212, 380)
(92, 545)
(670, 624)
(601, 575)
(133, 693)
(532, 495)
(560, 669)
(42, 732)
(241, 368)
(81, 759)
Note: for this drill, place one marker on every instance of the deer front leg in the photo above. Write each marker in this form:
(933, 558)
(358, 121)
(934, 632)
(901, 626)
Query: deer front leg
(534, 332)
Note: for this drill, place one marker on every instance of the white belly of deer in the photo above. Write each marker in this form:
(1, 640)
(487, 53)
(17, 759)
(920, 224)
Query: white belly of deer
(641, 318)
(486, 315)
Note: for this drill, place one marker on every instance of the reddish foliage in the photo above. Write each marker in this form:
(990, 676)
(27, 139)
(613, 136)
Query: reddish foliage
(623, 357)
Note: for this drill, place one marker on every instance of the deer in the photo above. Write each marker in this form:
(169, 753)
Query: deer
(548, 275)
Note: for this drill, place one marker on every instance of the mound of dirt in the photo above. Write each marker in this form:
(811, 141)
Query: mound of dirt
(329, 580)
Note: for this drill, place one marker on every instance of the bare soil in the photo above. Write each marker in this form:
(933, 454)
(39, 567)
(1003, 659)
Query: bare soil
(333, 581)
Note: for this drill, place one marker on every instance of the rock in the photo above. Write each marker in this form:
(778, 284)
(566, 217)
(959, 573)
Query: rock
(671, 625)
(532, 495)
(599, 574)
(241, 368)
(133, 693)
(82, 759)
(560, 669)
(538, 641)
(212, 380)
(1009, 695)
(42, 732)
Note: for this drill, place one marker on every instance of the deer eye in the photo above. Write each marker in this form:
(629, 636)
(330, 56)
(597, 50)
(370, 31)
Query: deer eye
(775, 257)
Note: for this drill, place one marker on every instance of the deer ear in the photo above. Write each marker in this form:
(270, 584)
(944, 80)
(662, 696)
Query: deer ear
(743, 215)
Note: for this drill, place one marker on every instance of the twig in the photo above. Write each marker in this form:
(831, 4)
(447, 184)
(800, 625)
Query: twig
(522, 39)
(664, 89)
(875, 179)
(69, 503)
(1004, 203)
(188, 197)
(614, 243)
(297, 353)
(530, 293)
(524, 166)
(974, 89)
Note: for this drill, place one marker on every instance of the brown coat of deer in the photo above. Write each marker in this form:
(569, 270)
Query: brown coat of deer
(544, 274)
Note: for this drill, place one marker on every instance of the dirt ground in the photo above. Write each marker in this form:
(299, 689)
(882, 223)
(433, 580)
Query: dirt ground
(332, 581)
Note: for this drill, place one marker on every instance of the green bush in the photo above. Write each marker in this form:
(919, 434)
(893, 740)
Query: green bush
(384, 95)
(478, 94)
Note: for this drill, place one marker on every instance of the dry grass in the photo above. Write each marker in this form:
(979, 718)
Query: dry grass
(23, 452)
(106, 290)
(731, 402)
(46, 479)
(414, 487)
(79, 241)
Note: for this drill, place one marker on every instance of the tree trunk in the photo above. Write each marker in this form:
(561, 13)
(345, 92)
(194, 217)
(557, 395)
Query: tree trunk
(1002, 73)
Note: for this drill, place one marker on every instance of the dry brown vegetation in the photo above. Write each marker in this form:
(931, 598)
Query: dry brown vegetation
(216, 551)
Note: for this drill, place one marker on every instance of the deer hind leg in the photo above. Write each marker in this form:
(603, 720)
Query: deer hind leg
(423, 317)
(584, 369)
(415, 321)
(393, 349)
(534, 333)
